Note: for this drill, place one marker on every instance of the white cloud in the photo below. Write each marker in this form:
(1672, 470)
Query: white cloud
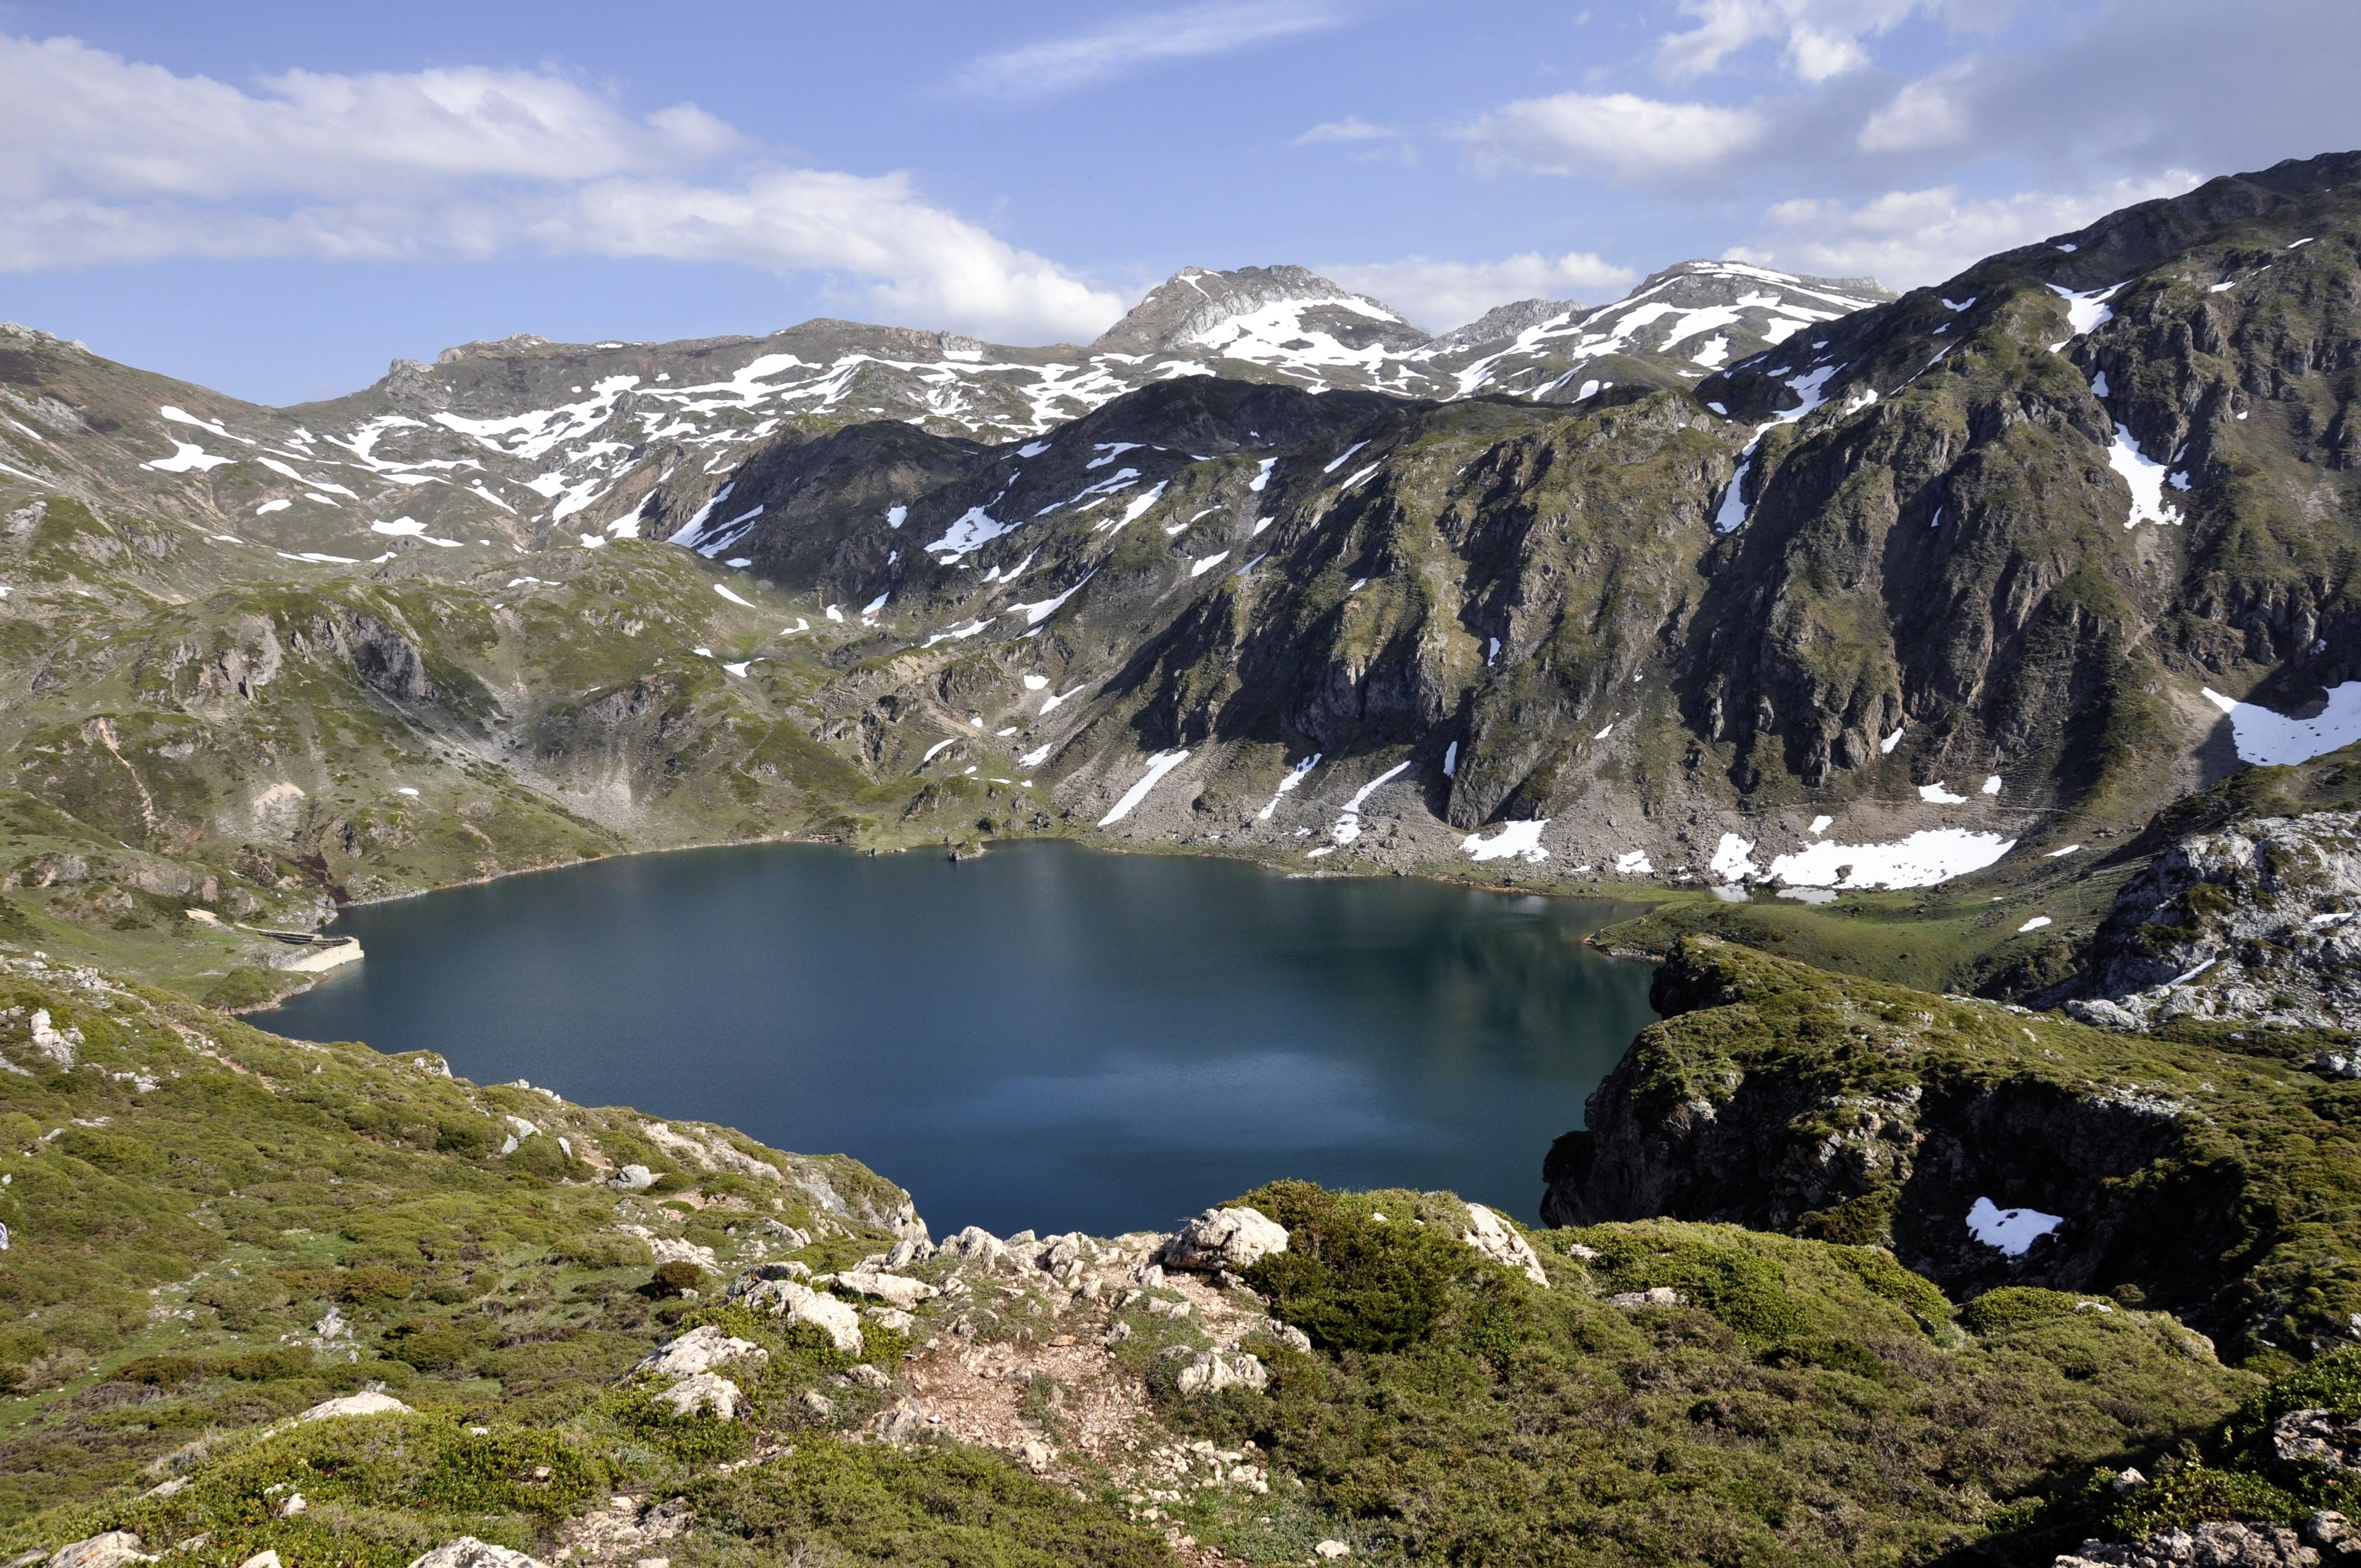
(1819, 38)
(1439, 295)
(1617, 134)
(1924, 114)
(1352, 127)
(1055, 66)
(1907, 238)
(112, 161)
(76, 119)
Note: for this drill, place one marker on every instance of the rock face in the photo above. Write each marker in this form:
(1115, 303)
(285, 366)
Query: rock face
(769, 1290)
(1234, 1239)
(700, 1350)
(2260, 922)
(1984, 1147)
(1501, 1242)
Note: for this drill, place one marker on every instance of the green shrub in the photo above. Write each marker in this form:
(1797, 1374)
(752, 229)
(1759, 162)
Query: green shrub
(241, 988)
(2013, 1307)
(430, 1347)
(1349, 1282)
(160, 1371)
(265, 1366)
(2332, 1382)
(2195, 1494)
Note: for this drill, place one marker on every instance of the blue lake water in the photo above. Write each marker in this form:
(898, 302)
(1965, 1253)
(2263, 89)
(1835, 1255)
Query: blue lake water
(1048, 1036)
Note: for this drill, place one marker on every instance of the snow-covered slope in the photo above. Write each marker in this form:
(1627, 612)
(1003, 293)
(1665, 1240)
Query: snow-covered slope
(521, 442)
(1679, 325)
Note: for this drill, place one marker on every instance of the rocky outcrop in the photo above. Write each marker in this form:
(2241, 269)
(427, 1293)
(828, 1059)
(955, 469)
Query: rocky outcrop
(700, 1350)
(1210, 1372)
(115, 1549)
(769, 1289)
(370, 1402)
(1502, 1243)
(2258, 922)
(1232, 1239)
(2220, 1545)
(1984, 1146)
(706, 1392)
(469, 1553)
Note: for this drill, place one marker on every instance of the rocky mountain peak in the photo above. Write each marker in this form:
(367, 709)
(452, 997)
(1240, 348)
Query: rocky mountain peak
(1258, 310)
(1502, 324)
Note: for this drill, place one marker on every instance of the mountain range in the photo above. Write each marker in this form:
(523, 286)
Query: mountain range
(1958, 686)
(1787, 586)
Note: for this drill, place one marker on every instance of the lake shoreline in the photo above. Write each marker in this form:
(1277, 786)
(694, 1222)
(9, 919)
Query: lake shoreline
(1055, 1020)
(1151, 848)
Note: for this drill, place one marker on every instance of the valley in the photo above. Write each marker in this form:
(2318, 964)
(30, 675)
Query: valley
(1955, 686)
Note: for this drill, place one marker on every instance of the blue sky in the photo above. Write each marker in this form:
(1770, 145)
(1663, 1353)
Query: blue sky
(276, 199)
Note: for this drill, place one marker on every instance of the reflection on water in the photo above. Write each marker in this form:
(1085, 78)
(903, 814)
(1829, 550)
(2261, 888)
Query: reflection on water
(1046, 1037)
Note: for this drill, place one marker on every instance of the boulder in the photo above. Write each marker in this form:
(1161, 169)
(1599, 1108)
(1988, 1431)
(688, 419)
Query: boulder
(633, 1179)
(705, 1391)
(902, 1424)
(1502, 1243)
(112, 1550)
(2102, 1014)
(767, 1290)
(469, 1553)
(974, 1245)
(1234, 1239)
(1654, 1296)
(1210, 1371)
(372, 1403)
(893, 1290)
(700, 1350)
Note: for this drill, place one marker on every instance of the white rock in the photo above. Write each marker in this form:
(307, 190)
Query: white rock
(700, 1350)
(1654, 1296)
(1587, 1254)
(798, 1303)
(706, 1391)
(1212, 1372)
(1234, 1239)
(1330, 1551)
(58, 1047)
(634, 1179)
(109, 1551)
(469, 1553)
(1502, 1243)
(904, 1424)
(974, 1244)
(261, 1559)
(369, 1403)
(893, 1290)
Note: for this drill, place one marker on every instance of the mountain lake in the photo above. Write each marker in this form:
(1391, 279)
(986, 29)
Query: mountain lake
(1048, 1036)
